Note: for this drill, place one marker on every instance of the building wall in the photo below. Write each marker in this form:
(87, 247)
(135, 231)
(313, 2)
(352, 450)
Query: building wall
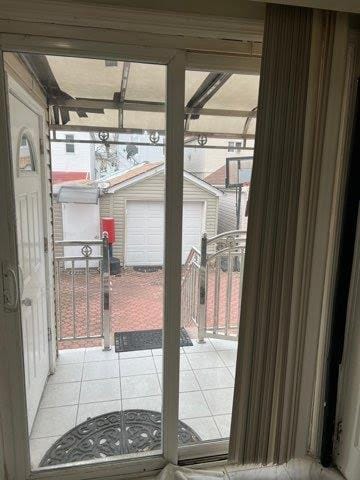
(153, 189)
(227, 210)
(82, 160)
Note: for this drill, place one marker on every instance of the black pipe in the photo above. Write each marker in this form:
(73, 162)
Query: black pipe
(342, 286)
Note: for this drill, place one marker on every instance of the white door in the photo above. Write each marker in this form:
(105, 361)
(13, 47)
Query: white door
(145, 231)
(25, 138)
(81, 221)
(348, 454)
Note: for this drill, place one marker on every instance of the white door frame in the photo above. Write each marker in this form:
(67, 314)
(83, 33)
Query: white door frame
(12, 397)
(176, 64)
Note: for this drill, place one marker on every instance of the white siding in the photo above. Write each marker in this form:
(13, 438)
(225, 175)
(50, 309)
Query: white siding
(227, 210)
(82, 160)
(153, 188)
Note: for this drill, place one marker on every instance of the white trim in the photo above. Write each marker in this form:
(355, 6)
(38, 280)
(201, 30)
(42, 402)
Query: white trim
(12, 389)
(155, 171)
(134, 20)
(175, 99)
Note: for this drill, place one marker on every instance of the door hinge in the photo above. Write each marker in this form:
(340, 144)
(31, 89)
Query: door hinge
(49, 334)
(46, 245)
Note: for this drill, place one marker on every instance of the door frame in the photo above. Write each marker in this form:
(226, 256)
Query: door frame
(34, 37)
(177, 61)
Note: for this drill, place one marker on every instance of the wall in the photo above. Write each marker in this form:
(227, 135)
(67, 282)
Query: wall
(227, 210)
(82, 160)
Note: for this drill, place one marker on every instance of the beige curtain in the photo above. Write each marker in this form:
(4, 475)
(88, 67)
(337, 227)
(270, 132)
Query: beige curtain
(303, 49)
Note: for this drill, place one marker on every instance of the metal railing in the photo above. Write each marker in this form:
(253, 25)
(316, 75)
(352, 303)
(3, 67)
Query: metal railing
(212, 285)
(83, 282)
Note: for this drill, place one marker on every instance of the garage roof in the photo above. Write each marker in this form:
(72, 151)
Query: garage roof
(144, 171)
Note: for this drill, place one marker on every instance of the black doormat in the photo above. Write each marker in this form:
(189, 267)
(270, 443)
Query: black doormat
(145, 340)
(115, 433)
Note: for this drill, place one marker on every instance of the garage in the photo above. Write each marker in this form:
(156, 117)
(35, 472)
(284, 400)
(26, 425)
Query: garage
(135, 199)
(144, 243)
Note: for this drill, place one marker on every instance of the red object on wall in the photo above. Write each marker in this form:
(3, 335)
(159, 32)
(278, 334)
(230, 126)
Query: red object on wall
(108, 225)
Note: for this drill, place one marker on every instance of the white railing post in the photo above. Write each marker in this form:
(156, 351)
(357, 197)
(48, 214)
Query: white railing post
(202, 291)
(105, 268)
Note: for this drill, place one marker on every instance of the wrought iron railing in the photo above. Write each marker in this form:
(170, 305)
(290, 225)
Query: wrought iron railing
(83, 284)
(212, 285)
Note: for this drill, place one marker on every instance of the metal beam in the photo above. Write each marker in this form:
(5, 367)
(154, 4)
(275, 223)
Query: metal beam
(212, 83)
(139, 131)
(143, 144)
(120, 96)
(90, 105)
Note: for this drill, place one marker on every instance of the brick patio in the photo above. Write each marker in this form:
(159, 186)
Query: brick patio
(136, 303)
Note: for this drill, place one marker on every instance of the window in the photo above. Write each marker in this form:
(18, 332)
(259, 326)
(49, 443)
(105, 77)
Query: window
(26, 159)
(111, 63)
(70, 147)
(234, 146)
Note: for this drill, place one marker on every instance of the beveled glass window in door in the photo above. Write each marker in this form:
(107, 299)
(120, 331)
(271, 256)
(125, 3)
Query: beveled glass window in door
(104, 398)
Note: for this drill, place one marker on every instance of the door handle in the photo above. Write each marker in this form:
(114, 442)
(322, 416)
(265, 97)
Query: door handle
(10, 288)
(27, 302)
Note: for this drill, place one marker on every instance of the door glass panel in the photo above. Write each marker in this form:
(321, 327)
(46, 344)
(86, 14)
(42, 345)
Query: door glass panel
(26, 156)
(218, 156)
(106, 187)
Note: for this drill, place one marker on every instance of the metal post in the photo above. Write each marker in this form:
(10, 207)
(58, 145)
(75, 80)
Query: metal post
(202, 291)
(106, 292)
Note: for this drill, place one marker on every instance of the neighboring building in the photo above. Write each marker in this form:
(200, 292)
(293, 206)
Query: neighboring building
(135, 199)
(72, 161)
(227, 202)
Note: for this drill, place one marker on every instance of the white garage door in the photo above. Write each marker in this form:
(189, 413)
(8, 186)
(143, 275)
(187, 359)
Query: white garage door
(145, 231)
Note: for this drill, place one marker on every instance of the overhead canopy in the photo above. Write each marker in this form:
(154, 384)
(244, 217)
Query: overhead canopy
(116, 95)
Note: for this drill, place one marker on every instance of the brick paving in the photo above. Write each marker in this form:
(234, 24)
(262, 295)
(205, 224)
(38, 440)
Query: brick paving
(136, 303)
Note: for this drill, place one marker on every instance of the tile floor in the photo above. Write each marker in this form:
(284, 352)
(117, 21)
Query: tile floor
(89, 382)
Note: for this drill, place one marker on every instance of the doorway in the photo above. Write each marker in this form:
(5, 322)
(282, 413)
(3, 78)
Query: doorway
(124, 192)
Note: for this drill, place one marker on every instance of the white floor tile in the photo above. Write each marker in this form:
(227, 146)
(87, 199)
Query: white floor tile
(210, 378)
(101, 370)
(136, 353)
(140, 386)
(55, 421)
(220, 400)
(137, 366)
(157, 352)
(199, 347)
(90, 410)
(228, 357)
(146, 403)
(223, 423)
(232, 370)
(204, 360)
(97, 354)
(184, 364)
(220, 344)
(38, 448)
(192, 405)
(188, 382)
(75, 355)
(100, 390)
(205, 427)
(66, 373)
(59, 394)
